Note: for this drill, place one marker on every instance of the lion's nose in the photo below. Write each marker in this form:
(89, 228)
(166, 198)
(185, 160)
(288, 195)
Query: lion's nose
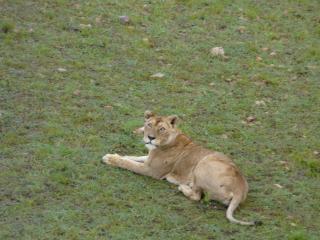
(151, 138)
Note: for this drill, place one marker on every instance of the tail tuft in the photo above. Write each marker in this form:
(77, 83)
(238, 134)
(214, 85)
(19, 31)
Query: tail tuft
(258, 223)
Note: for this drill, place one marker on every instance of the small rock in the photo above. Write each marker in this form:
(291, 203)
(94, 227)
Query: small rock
(265, 49)
(157, 75)
(85, 25)
(241, 29)
(98, 19)
(124, 19)
(217, 51)
(251, 119)
(312, 67)
(76, 92)
(108, 107)
(148, 42)
(62, 70)
(260, 103)
(273, 54)
(278, 185)
(317, 153)
(259, 59)
(283, 162)
(293, 224)
(212, 84)
(224, 136)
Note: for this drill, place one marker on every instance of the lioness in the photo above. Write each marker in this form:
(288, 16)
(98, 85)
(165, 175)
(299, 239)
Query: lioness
(174, 157)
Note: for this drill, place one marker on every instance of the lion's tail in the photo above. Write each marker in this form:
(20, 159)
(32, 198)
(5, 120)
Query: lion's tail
(236, 199)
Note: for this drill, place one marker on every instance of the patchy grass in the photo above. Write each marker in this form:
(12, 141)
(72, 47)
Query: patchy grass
(69, 93)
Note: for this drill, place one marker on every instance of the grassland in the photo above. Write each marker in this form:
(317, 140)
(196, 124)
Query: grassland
(75, 81)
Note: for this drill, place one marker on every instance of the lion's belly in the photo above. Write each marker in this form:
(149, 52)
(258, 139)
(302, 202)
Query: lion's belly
(182, 171)
(179, 179)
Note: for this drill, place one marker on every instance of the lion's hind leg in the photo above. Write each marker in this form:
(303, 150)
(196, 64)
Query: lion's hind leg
(172, 178)
(193, 193)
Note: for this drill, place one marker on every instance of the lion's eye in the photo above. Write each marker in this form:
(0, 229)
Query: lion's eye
(149, 125)
(162, 129)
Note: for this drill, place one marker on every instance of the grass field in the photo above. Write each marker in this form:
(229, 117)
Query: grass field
(75, 81)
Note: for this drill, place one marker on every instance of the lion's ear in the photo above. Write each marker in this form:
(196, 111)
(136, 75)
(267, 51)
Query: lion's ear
(173, 119)
(148, 114)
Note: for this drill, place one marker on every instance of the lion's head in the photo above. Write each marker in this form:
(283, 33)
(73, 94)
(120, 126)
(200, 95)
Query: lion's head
(159, 131)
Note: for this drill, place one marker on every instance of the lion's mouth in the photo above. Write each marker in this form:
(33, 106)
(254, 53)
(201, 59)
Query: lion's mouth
(150, 145)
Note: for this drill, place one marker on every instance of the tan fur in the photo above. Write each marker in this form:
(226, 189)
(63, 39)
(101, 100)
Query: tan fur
(174, 157)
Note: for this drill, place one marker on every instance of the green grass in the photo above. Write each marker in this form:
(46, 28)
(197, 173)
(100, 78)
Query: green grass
(55, 126)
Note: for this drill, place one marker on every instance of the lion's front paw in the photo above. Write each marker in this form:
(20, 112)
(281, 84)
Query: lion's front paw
(110, 158)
